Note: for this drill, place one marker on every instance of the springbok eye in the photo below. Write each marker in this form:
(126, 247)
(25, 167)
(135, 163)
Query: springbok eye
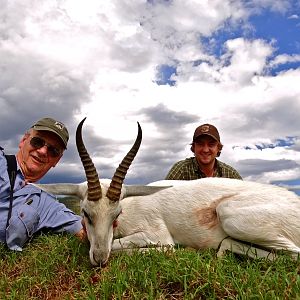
(115, 222)
(87, 217)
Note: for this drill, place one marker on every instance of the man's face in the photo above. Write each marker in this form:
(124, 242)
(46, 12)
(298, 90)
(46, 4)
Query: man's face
(38, 152)
(206, 149)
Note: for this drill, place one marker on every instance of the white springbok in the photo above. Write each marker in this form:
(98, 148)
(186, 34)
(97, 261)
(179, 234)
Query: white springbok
(219, 213)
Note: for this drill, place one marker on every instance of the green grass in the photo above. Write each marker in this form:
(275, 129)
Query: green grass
(58, 267)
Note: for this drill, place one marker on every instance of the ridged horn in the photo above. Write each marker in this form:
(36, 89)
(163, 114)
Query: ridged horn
(94, 187)
(114, 190)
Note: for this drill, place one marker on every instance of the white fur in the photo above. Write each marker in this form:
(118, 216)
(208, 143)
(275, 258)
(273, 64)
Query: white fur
(218, 213)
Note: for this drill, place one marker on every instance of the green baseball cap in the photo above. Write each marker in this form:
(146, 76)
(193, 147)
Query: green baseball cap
(49, 124)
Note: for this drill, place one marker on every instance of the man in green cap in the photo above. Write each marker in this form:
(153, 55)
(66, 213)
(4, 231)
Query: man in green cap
(32, 209)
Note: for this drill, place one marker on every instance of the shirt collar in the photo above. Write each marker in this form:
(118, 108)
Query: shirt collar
(217, 168)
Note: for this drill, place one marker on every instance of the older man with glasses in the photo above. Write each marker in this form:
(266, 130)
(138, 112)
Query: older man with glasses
(32, 210)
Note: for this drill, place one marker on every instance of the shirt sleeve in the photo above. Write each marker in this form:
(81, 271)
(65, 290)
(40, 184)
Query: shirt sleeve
(57, 217)
(236, 175)
(35, 210)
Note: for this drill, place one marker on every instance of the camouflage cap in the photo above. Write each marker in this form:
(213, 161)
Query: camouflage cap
(49, 124)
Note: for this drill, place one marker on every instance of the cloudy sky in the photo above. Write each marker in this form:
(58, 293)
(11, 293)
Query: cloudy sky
(170, 65)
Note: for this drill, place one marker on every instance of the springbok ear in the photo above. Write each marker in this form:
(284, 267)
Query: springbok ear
(142, 190)
(72, 189)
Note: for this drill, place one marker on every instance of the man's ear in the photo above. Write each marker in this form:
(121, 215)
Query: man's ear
(193, 147)
(220, 147)
(23, 139)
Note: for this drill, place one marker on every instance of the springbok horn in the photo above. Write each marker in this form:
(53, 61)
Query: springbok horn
(94, 187)
(114, 190)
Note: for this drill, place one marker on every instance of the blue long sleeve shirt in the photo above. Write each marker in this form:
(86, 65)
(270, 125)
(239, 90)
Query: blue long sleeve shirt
(33, 210)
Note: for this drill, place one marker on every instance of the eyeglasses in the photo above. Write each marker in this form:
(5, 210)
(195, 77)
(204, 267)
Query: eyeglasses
(37, 143)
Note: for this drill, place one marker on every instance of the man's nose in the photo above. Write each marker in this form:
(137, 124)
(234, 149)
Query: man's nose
(205, 147)
(43, 150)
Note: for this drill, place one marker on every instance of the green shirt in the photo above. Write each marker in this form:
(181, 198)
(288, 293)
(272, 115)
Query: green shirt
(188, 169)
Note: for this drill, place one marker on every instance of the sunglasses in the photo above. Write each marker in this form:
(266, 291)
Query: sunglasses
(37, 143)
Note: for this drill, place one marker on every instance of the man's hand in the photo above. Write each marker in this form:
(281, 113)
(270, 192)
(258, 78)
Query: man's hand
(81, 234)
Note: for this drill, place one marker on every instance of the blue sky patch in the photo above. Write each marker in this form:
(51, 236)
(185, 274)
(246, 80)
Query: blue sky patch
(164, 73)
(287, 142)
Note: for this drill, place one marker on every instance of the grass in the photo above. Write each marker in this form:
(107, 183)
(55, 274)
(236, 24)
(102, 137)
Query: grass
(58, 267)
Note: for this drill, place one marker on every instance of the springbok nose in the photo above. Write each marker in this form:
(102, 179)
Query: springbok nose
(99, 262)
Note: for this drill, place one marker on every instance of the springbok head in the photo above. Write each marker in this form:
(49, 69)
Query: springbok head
(100, 207)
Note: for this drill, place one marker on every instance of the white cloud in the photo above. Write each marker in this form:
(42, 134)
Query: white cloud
(76, 58)
(293, 17)
(284, 58)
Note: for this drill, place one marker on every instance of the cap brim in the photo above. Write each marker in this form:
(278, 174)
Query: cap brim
(208, 135)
